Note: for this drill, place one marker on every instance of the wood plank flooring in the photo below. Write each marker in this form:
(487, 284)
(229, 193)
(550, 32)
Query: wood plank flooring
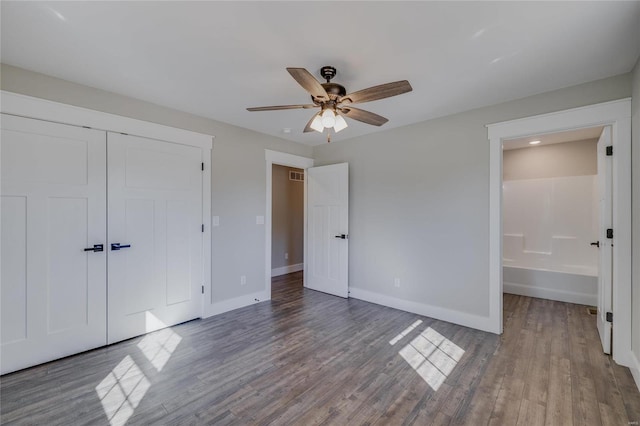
(309, 358)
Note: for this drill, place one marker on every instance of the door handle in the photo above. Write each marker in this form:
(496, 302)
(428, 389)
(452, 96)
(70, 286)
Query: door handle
(342, 236)
(95, 248)
(118, 246)
(597, 244)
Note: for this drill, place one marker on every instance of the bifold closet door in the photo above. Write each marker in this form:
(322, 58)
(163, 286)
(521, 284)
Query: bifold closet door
(155, 236)
(53, 207)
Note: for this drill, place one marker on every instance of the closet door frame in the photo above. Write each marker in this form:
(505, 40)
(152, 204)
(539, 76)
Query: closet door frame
(42, 109)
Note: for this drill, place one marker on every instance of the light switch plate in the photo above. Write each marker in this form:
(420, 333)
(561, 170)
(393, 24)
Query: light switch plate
(215, 221)
(259, 220)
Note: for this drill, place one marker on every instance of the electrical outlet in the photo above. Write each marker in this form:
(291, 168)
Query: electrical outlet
(396, 282)
(286, 256)
(243, 279)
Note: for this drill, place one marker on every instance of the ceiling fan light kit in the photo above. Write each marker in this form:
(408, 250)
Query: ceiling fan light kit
(334, 102)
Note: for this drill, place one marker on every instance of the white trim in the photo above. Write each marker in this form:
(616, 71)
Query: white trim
(289, 160)
(616, 114)
(207, 159)
(42, 109)
(443, 314)
(635, 369)
(283, 270)
(235, 303)
(550, 294)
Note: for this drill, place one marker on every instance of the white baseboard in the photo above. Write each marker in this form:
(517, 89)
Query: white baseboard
(635, 369)
(551, 294)
(456, 317)
(275, 272)
(235, 303)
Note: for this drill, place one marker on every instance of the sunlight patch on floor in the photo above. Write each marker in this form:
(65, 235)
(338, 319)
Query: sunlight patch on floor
(158, 347)
(404, 332)
(122, 390)
(432, 356)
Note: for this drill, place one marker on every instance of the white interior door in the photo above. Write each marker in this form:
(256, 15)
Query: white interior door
(605, 273)
(155, 214)
(327, 264)
(53, 207)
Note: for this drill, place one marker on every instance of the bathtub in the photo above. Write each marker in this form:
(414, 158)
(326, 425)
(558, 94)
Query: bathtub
(573, 284)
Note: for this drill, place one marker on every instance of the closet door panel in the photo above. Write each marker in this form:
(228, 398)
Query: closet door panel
(53, 207)
(155, 207)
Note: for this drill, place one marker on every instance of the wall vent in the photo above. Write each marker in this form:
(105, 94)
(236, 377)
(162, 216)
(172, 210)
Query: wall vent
(296, 176)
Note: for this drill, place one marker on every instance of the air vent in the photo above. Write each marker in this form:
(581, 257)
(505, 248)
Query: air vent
(296, 176)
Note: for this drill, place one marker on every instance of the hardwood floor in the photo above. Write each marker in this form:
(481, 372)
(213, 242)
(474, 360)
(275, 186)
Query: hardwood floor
(310, 358)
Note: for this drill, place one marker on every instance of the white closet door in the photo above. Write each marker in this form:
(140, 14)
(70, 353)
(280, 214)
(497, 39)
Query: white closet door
(155, 214)
(53, 292)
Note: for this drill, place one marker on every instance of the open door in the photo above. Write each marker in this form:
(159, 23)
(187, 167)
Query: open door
(326, 267)
(605, 273)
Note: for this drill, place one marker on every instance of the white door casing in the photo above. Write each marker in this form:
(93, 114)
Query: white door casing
(155, 206)
(605, 254)
(328, 229)
(53, 207)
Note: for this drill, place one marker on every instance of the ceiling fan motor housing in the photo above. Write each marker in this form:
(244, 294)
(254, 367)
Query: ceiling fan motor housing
(328, 72)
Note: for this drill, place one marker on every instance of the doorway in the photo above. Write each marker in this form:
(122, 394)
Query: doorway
(549, 216)
(286, 161)
(617, 115)
(287, 220)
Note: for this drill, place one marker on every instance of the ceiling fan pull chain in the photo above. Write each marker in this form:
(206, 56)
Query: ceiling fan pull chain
(328, 135)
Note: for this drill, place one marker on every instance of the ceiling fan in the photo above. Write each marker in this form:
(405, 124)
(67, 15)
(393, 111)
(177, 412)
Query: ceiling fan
(335, 103)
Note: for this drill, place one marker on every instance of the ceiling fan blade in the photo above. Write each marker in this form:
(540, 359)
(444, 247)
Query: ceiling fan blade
(362, 115)
(377, 92)
(309, 83)
(278, 107)
(308, 128)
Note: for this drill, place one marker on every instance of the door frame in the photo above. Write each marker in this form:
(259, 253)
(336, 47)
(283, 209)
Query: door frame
(288, 160)
(616, 114)
(46, 110)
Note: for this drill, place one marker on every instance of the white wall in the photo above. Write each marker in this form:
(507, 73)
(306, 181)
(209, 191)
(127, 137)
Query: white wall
(419, 198)
(635, 239)
(238, 176)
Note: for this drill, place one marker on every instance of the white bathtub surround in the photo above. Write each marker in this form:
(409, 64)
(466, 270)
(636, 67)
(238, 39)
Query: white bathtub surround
(549, 224)
(562, 286)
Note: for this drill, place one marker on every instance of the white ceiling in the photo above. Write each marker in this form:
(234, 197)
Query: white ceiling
(553, 138)
(214, 59)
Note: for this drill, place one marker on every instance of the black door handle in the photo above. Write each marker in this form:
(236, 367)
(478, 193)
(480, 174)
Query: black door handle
(118, 246)
(342, 236)
(95, 248)
(597, 244)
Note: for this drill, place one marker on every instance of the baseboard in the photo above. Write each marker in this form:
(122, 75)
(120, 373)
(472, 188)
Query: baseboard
(275, 272)
(635, 369)
(551, 294)
(235, 303)
(456, 317)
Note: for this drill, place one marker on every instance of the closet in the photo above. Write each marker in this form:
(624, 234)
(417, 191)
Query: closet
(102, 238)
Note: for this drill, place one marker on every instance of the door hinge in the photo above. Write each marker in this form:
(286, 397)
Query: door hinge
(609, 233)
(202, 289)
(610, 150)
(609, 316)
(202, 166)
(202, 227)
